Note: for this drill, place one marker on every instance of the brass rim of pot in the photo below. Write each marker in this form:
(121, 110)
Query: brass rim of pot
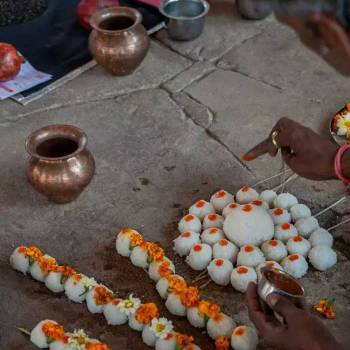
(266, 270)
(50, 132)
(204, 3)
(112, 12)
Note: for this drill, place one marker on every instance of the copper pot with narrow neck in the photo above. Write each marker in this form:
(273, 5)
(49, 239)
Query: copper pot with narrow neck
(60, 165)
(118, 42)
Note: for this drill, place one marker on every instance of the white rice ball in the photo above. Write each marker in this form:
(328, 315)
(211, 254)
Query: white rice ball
(220, 199)
(36, 270)
(190, 222)
(174, 305)
(244, 338)
(212, 235)
(60, 345)
(321, 237)
(246, 195)
(168, 343)
(268, 196)
(280, 216)
(201, 209)
(154, 266)
(300, 211)
(53, 282)
(269, 264)
(298, 245)
(221, 327)
(285, 231)
(77, 286)
(194, 318)
(94, 305)
(184, 243)
(225, 250)
(260, 204)
(241, 277)
(134, 324)
(295, 265)
(149, 337)
(199, 257)
(123, 241)
(285, 201)
(37, 336)
(113, 314)
(213, 221)
(229, 208)
(248, 225)
(162, 286)
(139, 257)
(306, 226)
(274, 249)
(19, 261)
(220, 271)
(322, 257)
(250, 255)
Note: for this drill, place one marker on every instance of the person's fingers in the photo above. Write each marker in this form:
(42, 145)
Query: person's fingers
(263, 147)
(282, 306)
(332, 33)
(305, 35)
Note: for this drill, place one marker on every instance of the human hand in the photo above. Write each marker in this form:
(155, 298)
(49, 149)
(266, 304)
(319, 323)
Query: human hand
(301, 330)
(333, 44)
(307, 153)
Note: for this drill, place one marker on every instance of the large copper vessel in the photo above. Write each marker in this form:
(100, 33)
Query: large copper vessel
(118, 42)
(60, 166)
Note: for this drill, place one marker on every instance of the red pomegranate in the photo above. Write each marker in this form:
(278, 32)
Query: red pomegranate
(10, 62)
(87, 8)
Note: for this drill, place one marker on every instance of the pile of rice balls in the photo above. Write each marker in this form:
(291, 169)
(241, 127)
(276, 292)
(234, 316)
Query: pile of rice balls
(252, 230)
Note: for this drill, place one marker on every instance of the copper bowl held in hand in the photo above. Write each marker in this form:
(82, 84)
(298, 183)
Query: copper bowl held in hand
(60, 165)
(118, 42)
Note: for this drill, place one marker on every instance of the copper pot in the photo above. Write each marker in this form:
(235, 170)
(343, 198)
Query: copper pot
(118, 42)
(60, 166)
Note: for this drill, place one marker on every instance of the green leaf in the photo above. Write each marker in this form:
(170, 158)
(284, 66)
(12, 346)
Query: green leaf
(131, 247)
(329, 303)
(178, 347)
(206, 320)
(149, 260)
(115, 294)
(49, 341)
(31, 261)
(63, 279)
(86, 289)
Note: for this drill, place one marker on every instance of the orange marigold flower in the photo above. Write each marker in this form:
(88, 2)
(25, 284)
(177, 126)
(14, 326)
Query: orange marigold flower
(34, 253)
(183, 339)
(325, 308)
(77, 277)
(155, 252)
(96, 346)
(176, 284)
(222, 343)
(189, 297)
(102, 296)
(136, 240)
(22, 249)
(209, 310)
(146, 313)
(47, 264)
(66, 271)
(164, 269)
(52, 331)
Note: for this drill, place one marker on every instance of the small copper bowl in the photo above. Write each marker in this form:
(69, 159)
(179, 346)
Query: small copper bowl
(280, 282)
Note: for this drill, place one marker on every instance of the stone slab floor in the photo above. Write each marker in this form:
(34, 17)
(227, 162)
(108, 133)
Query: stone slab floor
(164, 137)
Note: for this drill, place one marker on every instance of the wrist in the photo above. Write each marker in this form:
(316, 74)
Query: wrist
(345, 164)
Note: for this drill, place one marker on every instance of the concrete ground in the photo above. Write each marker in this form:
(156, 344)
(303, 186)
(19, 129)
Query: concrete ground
(164, 137)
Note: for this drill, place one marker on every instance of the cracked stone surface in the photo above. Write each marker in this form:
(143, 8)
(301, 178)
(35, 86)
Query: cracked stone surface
(224, 29)
(168, 135)
(282, 61)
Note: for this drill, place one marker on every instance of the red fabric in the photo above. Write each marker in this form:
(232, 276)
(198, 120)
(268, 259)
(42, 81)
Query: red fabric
(87, 8)
(338, 165)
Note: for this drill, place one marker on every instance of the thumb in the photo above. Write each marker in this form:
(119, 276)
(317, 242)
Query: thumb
(282, 306)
